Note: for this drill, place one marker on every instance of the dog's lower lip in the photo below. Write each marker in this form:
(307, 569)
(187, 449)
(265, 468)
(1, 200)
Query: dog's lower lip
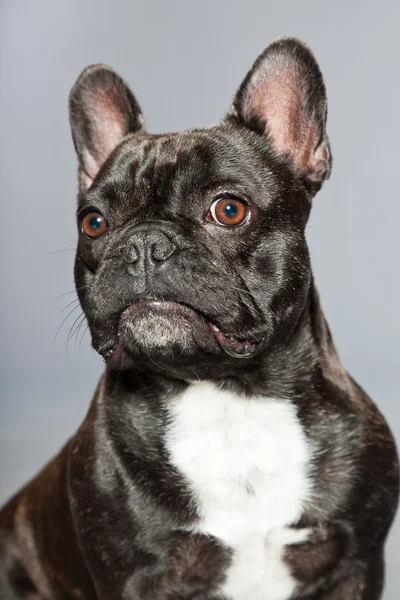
(163, 306)
(229, 343)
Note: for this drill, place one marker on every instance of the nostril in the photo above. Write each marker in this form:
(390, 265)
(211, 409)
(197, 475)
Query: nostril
(155, 252)
(130, 254)
(162, 250)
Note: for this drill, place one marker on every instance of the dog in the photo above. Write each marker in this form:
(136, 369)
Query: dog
(227, 454)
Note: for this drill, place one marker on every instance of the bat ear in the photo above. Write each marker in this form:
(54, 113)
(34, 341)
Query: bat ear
(283, 97)
(102, 111)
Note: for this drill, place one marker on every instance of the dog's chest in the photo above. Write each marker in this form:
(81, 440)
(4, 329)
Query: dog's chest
(246, 462)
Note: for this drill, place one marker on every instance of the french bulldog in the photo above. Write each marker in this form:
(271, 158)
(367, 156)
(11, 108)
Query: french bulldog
(227, 454)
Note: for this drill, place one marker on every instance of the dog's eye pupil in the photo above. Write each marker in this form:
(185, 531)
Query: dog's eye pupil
(93, 224)
(229, 211)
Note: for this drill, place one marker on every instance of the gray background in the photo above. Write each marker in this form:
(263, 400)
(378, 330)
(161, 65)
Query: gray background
(184, 60)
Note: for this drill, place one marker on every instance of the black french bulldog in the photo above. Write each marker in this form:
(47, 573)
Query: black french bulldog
(227, 454)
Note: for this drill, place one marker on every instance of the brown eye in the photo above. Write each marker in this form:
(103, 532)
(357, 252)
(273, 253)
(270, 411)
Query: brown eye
(93, 224)
(229, 211)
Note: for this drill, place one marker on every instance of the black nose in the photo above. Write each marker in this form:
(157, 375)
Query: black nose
(147, 248)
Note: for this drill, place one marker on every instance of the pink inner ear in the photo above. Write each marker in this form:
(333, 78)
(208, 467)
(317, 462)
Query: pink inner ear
(278, 99)
(106, 109)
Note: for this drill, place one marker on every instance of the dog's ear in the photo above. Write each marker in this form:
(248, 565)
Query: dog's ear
(102, 111)
(283, 97)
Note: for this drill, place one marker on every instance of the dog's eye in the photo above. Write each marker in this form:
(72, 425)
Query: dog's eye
(93, 224)
(228, 210)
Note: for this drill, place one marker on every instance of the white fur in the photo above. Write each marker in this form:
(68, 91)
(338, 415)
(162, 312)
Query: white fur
(246, 461)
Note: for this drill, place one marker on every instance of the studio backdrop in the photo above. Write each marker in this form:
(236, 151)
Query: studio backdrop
(184, 60)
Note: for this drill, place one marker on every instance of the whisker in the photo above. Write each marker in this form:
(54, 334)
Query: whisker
(59, 352)
(68, 305)
(78, 329)
(71, 331)
(154, 362)
(63, 321)
(78, 289)
(83, 335)
(62, 295)
(58, 251)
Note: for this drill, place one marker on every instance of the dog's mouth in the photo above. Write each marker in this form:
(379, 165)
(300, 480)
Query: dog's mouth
(233, 345)
(176, 313)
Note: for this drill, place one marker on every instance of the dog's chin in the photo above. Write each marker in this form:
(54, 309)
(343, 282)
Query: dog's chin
(173, 333)
(164, 329)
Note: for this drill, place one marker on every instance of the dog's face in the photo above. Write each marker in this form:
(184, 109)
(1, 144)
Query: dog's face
(192, 255)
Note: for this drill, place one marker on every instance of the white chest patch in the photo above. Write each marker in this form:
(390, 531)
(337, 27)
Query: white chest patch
(246, 462)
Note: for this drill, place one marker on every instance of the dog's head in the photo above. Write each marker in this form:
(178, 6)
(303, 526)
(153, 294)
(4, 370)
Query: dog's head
(192, 252)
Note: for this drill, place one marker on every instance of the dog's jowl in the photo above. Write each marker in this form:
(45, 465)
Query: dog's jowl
(227, 454)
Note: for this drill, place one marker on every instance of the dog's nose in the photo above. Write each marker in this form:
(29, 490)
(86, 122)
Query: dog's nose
(148, 248)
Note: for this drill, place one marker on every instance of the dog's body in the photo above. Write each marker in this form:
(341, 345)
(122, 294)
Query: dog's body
(226, 454)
